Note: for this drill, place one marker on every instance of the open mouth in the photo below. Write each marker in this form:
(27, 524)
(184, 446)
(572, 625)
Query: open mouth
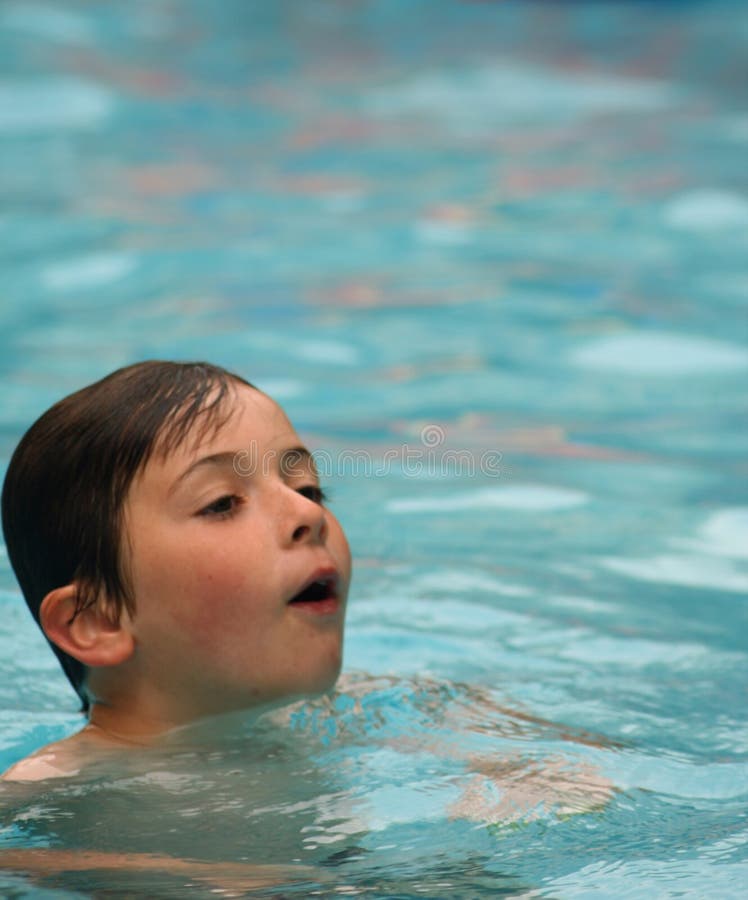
(318, 590)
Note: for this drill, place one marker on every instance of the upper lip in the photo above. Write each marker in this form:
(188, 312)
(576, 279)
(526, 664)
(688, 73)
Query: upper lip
(325, 574)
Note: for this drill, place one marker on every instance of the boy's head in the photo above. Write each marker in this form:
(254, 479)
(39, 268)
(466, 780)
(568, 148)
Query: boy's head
(129, 504)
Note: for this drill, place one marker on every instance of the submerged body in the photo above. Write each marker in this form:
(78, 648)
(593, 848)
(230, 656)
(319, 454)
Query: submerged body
(354, 786)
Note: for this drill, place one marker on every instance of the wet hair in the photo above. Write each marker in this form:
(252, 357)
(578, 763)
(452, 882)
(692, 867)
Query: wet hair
(66, 485)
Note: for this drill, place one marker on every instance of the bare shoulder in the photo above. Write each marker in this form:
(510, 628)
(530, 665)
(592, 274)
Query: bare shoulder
(62, 759)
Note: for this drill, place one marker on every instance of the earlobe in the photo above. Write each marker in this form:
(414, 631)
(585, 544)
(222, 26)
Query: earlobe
(91, 636)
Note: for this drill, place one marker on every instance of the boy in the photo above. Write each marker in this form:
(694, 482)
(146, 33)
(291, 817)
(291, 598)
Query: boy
(169, 534)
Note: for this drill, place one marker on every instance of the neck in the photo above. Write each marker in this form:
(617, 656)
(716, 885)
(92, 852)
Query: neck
(127, 710)
(142, 725)
(121, 727)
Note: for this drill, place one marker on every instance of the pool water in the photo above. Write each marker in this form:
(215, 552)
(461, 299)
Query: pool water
(492, 258)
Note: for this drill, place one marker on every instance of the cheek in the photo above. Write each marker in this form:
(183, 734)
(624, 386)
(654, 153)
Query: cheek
(339, 542)
(201, 591)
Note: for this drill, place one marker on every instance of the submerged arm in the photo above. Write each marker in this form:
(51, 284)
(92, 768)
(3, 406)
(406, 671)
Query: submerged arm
(226, 875)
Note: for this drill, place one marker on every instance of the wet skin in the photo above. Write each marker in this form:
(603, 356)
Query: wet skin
(220, 537)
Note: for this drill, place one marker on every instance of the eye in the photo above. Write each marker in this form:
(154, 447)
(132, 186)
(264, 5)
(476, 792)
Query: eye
(314, 493)
(223, 507)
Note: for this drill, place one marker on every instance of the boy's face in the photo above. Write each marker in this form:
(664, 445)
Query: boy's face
(219, 539)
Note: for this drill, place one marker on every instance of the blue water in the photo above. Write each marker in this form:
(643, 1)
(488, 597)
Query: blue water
(497, 253)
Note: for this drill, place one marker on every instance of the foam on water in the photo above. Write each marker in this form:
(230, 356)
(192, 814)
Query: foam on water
(506, 93)
(48, 22)
(662, 354)
(281, 388)
(683, 778)
(634, 653)
(708, 211)
(466, 582)
(688, 571)
(321, 351)
(87, 272)
(523, 498)
(713, 558)
(457, 616)
(43, 105)
(725, 532)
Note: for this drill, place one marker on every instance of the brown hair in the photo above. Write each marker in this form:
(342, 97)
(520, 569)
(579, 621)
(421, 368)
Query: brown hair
(67, 482)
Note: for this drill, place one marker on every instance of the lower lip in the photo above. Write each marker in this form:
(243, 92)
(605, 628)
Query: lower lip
(327, 607)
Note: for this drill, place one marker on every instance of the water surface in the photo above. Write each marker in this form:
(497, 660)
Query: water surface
(497, 254)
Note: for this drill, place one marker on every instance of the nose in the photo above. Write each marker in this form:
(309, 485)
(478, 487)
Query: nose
(308, 523)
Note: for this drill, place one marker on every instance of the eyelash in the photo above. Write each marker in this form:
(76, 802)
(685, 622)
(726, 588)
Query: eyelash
(314, 493)
(311, 491)
(212, 510)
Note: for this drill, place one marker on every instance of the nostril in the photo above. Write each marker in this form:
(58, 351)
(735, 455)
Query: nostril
(300, 532)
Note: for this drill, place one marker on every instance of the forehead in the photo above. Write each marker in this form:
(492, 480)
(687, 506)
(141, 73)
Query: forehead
(246, 417)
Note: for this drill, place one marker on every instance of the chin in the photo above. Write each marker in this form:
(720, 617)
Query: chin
(324, 678)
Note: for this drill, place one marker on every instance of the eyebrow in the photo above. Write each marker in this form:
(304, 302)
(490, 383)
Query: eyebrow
(291, 458)
(243, 464)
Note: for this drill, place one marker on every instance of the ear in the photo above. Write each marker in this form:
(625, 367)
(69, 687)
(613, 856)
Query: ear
(92, 636)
